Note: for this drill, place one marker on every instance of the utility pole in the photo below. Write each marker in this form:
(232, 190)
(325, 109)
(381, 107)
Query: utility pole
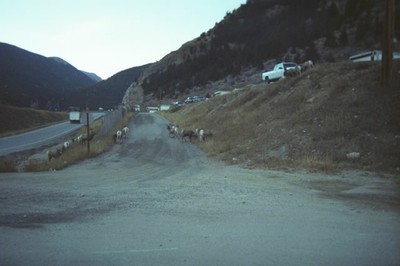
(387, 49)
(87, 131)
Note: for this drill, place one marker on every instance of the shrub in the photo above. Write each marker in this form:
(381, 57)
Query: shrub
(313, 161)
(8, 166)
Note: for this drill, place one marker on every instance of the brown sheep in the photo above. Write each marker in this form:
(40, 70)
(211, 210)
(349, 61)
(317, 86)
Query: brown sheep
(187, 134)
(54, 154)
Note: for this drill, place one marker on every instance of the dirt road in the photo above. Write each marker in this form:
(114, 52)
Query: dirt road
(156, 201)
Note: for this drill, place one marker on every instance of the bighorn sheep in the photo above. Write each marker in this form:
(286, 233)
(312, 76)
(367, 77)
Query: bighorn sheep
(187, 134)
(54, 154)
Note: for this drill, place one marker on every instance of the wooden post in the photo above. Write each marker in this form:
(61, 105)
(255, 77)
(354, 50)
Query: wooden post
(387, 49)
(87, 132)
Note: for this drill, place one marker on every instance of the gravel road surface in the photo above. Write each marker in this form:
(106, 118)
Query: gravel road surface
(153, 200)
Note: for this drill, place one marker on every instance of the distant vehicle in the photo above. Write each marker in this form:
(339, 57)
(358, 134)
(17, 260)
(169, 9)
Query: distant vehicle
(178, 103)
(165, 107)
(194, 99)
(75, 117)
(279, 71)
(152, 109)
(218, 93)
(199, 98)
(374, 55)
(189, 100)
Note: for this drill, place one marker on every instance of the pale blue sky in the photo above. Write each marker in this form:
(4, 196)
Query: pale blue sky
(106, 37)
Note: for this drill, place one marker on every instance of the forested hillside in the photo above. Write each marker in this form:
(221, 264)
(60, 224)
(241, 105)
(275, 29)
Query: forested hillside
(108, 93)
(31, 80)
(262, 32)
(248, 41)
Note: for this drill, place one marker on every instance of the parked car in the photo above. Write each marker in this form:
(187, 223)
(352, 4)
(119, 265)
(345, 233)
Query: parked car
(194, 99)
(199, 98)
(222, 92)
(189, 100)
(374, 55)
(279, 71)
(178, 103)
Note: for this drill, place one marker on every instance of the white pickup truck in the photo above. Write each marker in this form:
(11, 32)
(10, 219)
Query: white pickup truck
(279, 71)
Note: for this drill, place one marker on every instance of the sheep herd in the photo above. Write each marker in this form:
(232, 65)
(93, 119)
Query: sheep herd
(188, 134)
(120, 135)
(174, 132)
(80, 139)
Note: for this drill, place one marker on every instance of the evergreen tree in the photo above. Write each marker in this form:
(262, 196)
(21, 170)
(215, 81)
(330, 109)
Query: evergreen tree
(343, 39)
(362, 31)
(331, 40)
(334, 19)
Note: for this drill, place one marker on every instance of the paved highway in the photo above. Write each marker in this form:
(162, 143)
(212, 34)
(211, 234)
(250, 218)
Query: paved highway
(39, 137)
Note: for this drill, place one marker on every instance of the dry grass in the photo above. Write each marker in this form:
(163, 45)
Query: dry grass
(311, 121)
(76, 153)
(316, 162)
(8, 166)
(18, 119)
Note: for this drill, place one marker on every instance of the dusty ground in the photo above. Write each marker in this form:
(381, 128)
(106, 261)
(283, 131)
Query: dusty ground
(156, 201)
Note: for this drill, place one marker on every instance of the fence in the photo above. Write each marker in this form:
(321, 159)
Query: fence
(109, 122)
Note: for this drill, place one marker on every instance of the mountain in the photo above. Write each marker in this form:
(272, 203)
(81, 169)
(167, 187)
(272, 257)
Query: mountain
(107, 93)
(252, 38)
(90, 75)
(31, 80)
(248, 41)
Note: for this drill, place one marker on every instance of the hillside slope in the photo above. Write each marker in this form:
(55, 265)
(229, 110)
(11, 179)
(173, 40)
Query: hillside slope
(31, 80)
(320, 120)
(19, 119)
(262, 32)
(107, 93)
(90, 75)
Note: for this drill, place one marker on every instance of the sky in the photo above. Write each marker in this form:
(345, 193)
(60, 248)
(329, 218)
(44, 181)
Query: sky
(106, 37)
